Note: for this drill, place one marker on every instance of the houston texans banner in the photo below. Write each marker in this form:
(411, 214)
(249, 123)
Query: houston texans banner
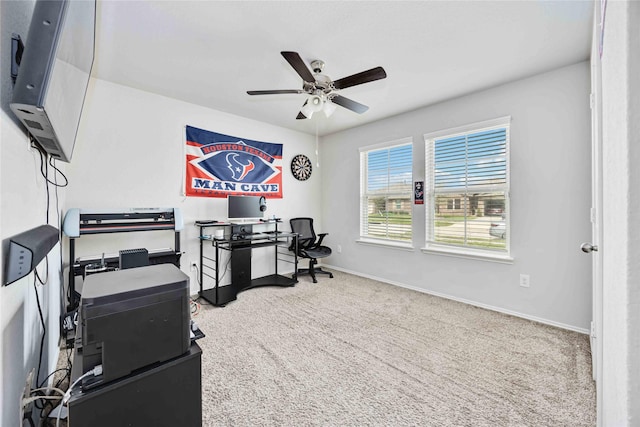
(218, 165)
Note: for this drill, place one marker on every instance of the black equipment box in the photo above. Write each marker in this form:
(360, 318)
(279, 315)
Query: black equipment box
(131, 319)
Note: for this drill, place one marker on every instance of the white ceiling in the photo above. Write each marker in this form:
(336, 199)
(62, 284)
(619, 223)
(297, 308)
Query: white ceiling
(211, 52)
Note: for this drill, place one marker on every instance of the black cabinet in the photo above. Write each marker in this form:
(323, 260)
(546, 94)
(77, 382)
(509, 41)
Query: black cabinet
(162, 395)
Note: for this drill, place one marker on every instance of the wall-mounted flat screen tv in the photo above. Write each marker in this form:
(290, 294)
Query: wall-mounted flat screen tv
(54, 73)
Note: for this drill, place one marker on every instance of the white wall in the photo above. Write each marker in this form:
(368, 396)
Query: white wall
(130, 154)
(23, 207)
(550, 200)
(621, 219)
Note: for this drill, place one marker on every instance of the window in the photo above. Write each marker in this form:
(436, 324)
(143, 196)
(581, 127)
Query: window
(453, 204)
(468, 188)
(386, 191)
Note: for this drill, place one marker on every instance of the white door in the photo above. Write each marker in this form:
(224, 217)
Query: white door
(594, 248)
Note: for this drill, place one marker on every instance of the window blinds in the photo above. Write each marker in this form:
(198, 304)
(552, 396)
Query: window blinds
(468, 188)
(386, 190)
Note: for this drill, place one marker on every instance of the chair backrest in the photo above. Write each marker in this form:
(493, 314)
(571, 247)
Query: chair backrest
(304, 228)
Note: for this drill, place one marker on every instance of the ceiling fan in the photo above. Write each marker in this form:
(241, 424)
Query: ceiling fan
(322, 91)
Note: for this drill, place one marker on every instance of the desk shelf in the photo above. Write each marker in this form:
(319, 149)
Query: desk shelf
(222, 295)
(240, 247)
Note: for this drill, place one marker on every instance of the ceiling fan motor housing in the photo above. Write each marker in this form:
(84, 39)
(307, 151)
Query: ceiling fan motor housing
(317, 66)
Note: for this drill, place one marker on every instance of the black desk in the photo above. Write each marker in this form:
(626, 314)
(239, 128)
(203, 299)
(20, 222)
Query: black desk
(240, 240)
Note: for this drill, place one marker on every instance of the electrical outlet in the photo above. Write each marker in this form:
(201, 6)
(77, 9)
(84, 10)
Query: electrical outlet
(339, 249)
(525, 280)
(26, 393)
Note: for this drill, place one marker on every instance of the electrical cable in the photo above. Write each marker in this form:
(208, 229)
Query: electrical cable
(197, 273)
(46, 278)
(95, 371)
(43, 170)
(56, 389)
(45, 160)
(61, 293)
(226, 266)
(41, 385)
(44, 329)
(195, 308)
(34, 398)
(52, 163)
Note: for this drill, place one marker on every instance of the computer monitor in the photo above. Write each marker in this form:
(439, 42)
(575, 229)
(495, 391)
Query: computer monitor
(241, 208)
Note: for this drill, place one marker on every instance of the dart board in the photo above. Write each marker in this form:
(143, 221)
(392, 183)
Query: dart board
(301, 167)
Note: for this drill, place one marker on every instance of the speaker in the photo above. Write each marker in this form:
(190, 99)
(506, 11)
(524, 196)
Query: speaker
(263, 203)
(26, 250)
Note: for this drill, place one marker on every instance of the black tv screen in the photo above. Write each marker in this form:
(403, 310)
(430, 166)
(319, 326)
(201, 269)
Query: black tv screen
(54, 73)
(244, 207)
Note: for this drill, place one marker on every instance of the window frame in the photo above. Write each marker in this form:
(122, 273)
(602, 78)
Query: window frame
(431, 246)
(364, 196)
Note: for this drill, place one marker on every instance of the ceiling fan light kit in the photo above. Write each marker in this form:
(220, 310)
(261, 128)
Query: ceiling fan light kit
(329, 108)
(315, 102)
(322, 91)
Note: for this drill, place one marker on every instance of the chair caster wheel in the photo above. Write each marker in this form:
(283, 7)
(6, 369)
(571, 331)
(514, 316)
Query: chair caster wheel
(331, 276)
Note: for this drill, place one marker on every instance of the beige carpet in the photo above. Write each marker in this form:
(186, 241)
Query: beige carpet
(350, 351)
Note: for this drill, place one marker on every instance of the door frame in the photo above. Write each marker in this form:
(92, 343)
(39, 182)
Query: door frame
(596, 210)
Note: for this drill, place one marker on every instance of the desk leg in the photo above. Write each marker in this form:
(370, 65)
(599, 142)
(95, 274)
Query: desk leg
(72, 277)
(275, 256)
(217, 266)
(295, 258)
(200, 270)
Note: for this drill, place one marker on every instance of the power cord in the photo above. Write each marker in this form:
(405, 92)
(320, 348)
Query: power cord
(195, 307)
(44, 327)
(45, 397)
(47, 161)
(95, 372)
(26, 401)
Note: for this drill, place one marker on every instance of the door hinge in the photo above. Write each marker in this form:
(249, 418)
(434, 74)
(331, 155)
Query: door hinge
(592, 100)
(593, 215)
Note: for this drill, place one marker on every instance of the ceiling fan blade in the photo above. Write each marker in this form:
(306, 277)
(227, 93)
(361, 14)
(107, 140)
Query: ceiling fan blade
(363, 77)
(300, 115)
(274, 92)
(298, 64)
(349, 104)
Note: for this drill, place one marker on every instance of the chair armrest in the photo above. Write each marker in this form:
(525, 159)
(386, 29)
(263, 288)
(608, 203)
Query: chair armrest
(320, 238)
(302, 245)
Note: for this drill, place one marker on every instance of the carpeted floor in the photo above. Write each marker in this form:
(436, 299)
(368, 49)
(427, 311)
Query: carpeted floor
(351, 351)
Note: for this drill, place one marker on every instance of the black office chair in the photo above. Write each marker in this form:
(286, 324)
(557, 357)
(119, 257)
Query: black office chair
(309, 246)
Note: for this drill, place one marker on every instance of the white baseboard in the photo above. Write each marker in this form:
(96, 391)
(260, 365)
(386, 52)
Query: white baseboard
(465, 301)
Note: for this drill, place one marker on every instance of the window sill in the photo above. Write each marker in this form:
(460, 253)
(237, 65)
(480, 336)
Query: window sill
(386, 243)
(468, 254)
